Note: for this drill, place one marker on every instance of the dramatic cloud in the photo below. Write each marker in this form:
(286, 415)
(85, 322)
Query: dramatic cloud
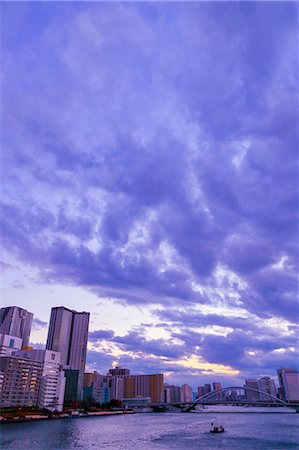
(37, 324)
(150, 157)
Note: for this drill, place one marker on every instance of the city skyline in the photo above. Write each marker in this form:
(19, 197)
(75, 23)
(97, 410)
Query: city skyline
(150, 177)
(67, 335)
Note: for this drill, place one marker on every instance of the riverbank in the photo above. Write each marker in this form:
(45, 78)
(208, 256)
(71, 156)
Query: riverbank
(71, 415)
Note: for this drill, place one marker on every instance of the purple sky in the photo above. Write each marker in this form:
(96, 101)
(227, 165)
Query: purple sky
(150, 177)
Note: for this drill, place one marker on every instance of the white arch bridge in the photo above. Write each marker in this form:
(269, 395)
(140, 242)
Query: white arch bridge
(232, 395)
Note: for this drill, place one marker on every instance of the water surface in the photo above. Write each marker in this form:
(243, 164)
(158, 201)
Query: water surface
(246, 430)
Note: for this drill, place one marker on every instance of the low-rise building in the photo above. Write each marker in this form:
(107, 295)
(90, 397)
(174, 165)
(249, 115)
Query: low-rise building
(21, 381)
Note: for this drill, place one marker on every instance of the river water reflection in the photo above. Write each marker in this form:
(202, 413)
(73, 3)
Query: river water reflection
(263, 430)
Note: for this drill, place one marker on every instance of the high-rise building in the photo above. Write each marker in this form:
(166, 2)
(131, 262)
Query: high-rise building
(186, 393)
(251, 386)
(68, 334)
(266, 385)
(17, 322)
(207, 388)
(217, 386)
(173, 393)
(200, 391)
(289, 383)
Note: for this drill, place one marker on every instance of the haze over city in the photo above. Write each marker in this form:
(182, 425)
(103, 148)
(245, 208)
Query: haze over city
(150, 177)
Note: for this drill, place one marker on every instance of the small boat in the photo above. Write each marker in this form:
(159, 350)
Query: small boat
(216, 428)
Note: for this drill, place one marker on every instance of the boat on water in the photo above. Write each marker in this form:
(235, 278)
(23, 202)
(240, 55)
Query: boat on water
(216, 428)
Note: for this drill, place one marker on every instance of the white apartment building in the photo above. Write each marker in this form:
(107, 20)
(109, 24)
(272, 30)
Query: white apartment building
(9, 344)
(52, 382)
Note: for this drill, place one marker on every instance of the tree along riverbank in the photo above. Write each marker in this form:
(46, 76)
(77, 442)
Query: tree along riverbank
(16, 416)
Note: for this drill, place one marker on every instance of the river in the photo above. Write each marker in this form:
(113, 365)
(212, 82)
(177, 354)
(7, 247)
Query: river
(258, 430)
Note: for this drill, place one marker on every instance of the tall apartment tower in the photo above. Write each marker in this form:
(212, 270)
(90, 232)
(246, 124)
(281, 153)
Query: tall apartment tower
(289, 383)
(68, 334)
(15, 321)
(266, 385)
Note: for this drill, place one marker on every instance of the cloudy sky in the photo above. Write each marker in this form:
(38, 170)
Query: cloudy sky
(150, 176)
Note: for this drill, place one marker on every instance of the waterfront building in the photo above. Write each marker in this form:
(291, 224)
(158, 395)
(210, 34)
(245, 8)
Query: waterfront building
(68, 334)
(145, 386)
(16, 321)
(186, 393)
(289, 384)
(138, 404)
(21, 381)
(9, 344)
(267, 385)
(252, 396)
(52, 383)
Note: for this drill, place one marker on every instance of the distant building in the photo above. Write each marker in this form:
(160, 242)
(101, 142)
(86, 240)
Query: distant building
(119, 371)
(266, 385)
(289, 384)
(139, 404)
(52, 383)
(145, 386)
(203, 390)
(97, 387)
(20, 381)
(16, 321)
(186, 393)
(89, 377)
(207, 388)
(251, 395)
(172, 393)
(167, 394)
(217, 387)
(9, 344)
(68, 334)
(117, 386)
(200, 391)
